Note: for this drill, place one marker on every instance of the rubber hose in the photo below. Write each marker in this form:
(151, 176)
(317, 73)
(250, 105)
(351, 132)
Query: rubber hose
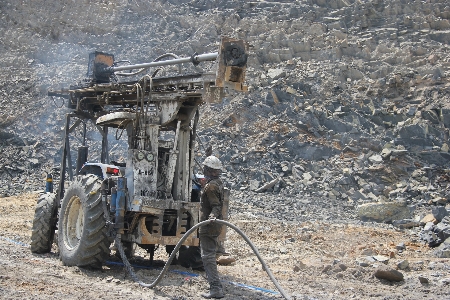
(177, 247)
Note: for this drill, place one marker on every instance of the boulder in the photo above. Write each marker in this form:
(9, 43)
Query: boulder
(384, 212)
(387, 273)
(276, 73)
(443, 251)
(429, 219)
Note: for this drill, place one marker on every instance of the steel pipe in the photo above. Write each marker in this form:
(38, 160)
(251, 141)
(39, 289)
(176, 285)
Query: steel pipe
(195, 59)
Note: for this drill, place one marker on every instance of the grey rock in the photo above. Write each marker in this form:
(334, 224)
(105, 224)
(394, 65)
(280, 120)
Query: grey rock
(445, 117)
(412, 131)
(431, 238)
(443, 251)
(431, 116)
(406, 223)
(254, 184)
(307, 176)
(439, 212)
(386, 153)
(443, 231)
(423, 280)
(428, 226)
(401, 246)
(327, 268)
(276, 73)
(283, 250)
(381, 258)
(268, 186)
(403, 265)
(299, 266)
(356, 195)
(365, 261)
(384, 212)
(376, 158)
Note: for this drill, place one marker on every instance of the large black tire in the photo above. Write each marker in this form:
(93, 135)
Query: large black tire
(44, 224)
(82, 231)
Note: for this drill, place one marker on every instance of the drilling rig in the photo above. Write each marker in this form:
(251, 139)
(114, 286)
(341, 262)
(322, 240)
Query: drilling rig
(147, 198)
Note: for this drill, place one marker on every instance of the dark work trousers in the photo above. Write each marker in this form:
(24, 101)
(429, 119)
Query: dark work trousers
(208, 246)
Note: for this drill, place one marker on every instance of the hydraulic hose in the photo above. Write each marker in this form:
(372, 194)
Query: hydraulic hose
(177, 247)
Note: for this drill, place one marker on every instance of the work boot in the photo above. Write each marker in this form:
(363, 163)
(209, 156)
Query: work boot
(225, 260)
(214, 293)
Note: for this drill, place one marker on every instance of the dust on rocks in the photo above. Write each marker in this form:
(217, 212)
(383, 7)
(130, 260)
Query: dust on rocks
(337, 157)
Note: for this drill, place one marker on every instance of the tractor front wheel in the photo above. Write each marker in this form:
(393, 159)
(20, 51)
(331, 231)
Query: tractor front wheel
(82, 232)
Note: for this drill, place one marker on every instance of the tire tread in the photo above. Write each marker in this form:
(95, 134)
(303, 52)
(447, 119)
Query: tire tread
(43, 229)
(93, 248)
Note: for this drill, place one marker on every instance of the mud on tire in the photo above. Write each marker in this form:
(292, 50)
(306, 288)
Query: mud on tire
(44, 224)
(82, 232)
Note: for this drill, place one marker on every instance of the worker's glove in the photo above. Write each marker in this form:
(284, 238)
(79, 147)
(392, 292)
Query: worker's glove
(211, 217)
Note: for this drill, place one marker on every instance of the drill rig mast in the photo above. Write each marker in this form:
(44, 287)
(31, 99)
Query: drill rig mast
(147, 200)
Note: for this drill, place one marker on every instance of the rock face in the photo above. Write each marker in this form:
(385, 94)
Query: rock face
(348, 103)
(443, 251)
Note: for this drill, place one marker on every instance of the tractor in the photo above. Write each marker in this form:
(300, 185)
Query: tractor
(146, 198)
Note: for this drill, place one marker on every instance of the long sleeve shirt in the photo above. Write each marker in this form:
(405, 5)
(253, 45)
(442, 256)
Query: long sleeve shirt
(212, 199)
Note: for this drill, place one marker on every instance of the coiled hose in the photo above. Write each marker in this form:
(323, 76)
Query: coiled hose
(177, 247)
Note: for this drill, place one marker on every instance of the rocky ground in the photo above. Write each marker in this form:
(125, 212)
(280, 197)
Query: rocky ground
(311, 260)
(343, 133)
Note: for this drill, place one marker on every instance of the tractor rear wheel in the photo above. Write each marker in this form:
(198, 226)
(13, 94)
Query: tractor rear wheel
(44, 224)
(82, 232)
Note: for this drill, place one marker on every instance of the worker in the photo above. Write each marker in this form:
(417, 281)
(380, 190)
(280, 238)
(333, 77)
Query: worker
(211, 202)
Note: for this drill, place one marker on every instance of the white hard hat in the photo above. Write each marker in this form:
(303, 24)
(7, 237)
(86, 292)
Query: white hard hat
(213, 163)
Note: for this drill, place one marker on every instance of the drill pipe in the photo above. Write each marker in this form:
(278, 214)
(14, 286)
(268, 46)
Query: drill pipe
(194, 59)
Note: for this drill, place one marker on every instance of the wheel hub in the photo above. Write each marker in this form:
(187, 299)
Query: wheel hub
(73, 226)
